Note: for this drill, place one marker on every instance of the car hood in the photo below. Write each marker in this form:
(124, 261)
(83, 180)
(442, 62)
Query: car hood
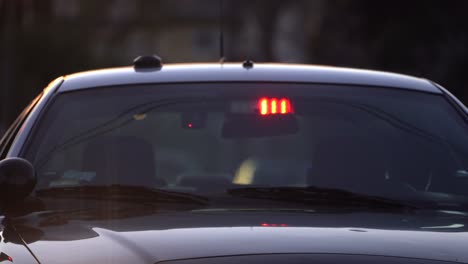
(78, 236)
(159, 245)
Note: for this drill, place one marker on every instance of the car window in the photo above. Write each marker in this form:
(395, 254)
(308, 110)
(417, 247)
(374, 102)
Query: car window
(207, 138)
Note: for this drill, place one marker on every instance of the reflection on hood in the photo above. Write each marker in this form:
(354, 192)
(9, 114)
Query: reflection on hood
(145, 233)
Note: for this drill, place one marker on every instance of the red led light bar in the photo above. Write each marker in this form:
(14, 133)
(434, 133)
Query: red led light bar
(273, 106)
(273, 225)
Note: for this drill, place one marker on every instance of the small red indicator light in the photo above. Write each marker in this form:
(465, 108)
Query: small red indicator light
(263, 106)
(285, 106)
(190, 125)
(272, 106)
(264, 224)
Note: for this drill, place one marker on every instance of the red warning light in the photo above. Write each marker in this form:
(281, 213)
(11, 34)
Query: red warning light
(285, 105)
(263, 106)
(272, 106)
(189, 125)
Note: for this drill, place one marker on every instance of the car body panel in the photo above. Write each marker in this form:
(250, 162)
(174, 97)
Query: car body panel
(162, 245)
(138, 235)
(186, 73)
(304, 258)
(10, 245)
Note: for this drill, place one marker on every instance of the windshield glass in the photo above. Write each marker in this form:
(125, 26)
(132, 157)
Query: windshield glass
(209, 138)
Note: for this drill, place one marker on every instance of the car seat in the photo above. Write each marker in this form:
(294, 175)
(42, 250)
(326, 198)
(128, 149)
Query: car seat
(347, 161)
(121, 160)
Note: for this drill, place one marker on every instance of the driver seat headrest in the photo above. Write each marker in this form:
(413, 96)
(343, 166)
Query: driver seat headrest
(122, 160)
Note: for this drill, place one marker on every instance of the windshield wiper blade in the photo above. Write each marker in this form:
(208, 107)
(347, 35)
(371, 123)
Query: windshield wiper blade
(122, 192)
(319, 196)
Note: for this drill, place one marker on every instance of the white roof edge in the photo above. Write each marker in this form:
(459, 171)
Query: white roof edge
(180, 73)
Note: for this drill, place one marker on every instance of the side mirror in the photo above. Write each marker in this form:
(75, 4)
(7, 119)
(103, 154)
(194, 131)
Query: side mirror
(17, 179)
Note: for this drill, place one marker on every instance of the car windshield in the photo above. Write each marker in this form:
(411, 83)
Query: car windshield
(209, 138)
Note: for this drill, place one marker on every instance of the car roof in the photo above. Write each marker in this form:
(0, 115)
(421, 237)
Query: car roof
(235, 72)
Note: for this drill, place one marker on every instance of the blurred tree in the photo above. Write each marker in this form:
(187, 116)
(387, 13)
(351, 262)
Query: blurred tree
(422, 38)
(42, 39)
(10, 22)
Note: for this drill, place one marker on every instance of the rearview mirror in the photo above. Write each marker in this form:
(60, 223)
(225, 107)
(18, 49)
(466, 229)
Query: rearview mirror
(17, 179)
(249, 126)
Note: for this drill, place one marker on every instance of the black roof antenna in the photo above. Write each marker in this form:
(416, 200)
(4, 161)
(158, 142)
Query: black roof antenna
(221, 32)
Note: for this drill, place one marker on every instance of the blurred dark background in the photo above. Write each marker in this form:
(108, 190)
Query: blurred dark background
(43, 39)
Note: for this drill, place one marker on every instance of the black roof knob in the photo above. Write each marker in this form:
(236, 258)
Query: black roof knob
(144, 62)
(248, 64)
